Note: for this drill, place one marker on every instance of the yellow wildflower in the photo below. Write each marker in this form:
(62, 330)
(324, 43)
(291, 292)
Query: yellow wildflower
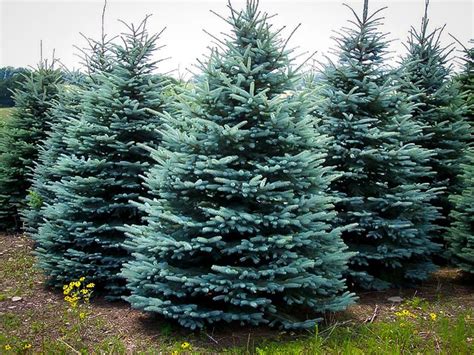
(90, 285)
(406, 313)
(27, 346)
(185, 345)
(82, 315)
(8, 347)
(82, 279)
(433, 316)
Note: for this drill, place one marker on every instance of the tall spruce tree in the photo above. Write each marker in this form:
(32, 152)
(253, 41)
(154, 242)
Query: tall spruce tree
(21, 137)
(99, 173)
(439, 109)
(238, 225)
(374, 150)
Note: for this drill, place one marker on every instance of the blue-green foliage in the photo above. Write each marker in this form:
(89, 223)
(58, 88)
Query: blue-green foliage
(374, 150)
(439, 110)
(63, 113)
(20, 138)
(461, 234)
(238, 225)
(98, 173)
(465, 81)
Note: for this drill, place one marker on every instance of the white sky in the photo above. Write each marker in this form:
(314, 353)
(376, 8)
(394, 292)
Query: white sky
(24, 23)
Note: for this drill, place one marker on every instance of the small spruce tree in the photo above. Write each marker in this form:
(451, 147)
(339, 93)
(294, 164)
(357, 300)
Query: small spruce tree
(65, 112)
(374, 151)
(439, 109)
(238, 225)
(20, 138)
(99, 173)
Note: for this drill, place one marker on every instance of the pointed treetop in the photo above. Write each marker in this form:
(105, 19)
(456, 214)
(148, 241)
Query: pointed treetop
(366, 10)
(425, 20)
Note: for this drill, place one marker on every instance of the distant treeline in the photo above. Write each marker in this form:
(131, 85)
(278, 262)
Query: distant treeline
(11, 79)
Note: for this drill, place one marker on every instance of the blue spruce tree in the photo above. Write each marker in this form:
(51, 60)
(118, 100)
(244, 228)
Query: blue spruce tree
(63, 113)
(20, 138)
(465, 82)
(237, 228)
(461, 234)
(99, 173)
(439, 110)
(374, 150)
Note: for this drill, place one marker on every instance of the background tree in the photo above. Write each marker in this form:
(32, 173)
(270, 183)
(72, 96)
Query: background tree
(461, 234)
(237, 228)
(100, 172)
(10, 80)
(65, 112)
(439, 110)
(21, 137)
(465, 80)
(374, 151)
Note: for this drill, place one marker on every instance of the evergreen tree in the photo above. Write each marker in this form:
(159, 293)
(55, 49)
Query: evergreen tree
(99, 173)
(237, 228)
(21, 137)
(461, 234)
(374, 150)
(465, 81)
(64, 113)
(439, 109)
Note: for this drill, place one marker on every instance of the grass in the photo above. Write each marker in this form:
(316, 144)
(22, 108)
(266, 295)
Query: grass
(5, 112)
(435, 318)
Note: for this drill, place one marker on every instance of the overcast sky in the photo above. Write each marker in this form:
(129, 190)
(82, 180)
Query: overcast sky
(58, 23)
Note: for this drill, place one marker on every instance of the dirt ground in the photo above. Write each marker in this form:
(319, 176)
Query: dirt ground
(40, 306)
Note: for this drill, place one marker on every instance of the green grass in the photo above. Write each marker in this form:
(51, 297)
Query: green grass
(450, 335)
(43, 323)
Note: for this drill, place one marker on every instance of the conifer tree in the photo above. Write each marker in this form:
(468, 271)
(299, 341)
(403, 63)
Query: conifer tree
(21, 137)
(461, 234)
(64, 112)
(97, 59)
(439, 109)
(465, 81)
(374, 151)
(99, 173)
(237, 228)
